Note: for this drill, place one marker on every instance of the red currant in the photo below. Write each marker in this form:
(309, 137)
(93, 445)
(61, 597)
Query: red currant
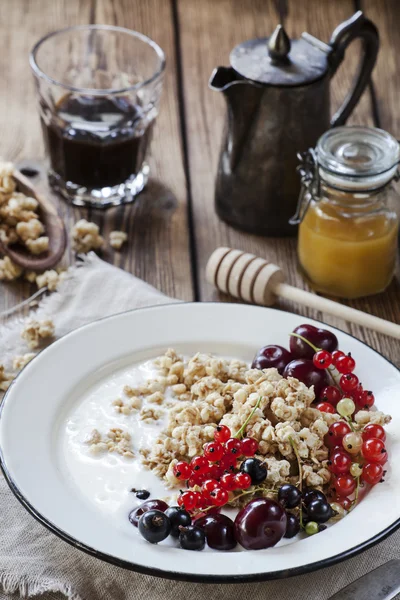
(336, 354)
(213, 451)
(345, 364)
(228, 482)
(356, 395)
(348, 382)
(325, 407)
(330, 394)
(344, 485)
(339, 462)
(208, 486)
(215, 472)
(188, 500)
(182, 470)
(249, 446)
(228, 462)
(372, 449)
(336, 433)
(197, 479)
(199, 463)
(199, 499)
(374, 431)
(233, 446)
(367, 399)
(222, 434)
(345, 502)
(219, 496)
(243, 481)
(383, 459)
(372, 473)
(322, 359)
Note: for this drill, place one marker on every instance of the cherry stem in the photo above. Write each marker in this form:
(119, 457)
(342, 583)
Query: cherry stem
(243, 427)
(303, 339)
(295, 450)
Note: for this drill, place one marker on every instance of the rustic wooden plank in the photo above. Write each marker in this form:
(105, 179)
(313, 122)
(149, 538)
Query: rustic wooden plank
(157, 223)
(158, 247)
(20, 135)
(205, 112)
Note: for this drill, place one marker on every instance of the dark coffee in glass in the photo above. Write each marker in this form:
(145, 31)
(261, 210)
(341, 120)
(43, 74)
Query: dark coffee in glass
(97, 116)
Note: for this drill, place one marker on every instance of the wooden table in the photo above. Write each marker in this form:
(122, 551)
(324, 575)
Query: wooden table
(172, 227)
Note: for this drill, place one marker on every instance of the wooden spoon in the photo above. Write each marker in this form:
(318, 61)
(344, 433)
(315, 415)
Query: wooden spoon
(54, 229)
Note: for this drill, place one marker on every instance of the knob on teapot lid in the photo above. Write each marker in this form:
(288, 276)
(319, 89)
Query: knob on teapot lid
(277, 60)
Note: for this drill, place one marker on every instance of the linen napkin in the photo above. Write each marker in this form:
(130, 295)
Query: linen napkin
(34, 562)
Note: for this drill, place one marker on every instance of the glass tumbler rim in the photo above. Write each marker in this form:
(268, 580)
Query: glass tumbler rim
(96, 91)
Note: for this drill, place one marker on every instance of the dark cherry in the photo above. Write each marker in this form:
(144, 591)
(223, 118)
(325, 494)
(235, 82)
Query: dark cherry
(154, 526)
(256, 469)
(260, 524)
(305, 371)
(178, 517)
(219, 530)
(319, 511)
(292, 526)
(321, 338)
(136, 513)
(310, 494)
(272, 356)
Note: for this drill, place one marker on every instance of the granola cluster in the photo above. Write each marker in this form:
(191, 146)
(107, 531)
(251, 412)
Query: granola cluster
(36, 331)
(275, 411)
(115, 440)
(19, 218)
(86, 237)
(117, 239)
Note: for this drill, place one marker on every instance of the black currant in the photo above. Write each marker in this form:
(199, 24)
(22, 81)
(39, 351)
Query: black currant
(311, 494)
(256, 469)
(292, 526)
(192, 538)
(141, 494)
(289, 496)
(178, 517)
(154, 526)
(319, 511)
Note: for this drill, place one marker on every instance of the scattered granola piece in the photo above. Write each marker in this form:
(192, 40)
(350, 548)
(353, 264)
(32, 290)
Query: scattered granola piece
(35, 331)
(30, 230)
(7, 182)
(38, 246)
(5, 379)
(19, 362)
(49, 279)
(31, 276)
(116, 440)
(9, 270)
(117, 239)
(86, 237)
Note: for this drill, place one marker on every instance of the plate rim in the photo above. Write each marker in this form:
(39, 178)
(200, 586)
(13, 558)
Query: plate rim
(178, 575)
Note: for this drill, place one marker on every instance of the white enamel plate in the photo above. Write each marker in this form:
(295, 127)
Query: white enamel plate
(85, 499)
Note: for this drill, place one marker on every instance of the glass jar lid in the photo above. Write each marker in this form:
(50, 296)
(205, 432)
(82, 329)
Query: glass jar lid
(357, 158)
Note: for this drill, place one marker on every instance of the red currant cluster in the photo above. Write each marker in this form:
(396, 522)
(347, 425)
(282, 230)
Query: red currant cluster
(354, 456)
(213, 475)
(348, 385)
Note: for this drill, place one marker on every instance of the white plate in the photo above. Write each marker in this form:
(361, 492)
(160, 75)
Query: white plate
(36, 408)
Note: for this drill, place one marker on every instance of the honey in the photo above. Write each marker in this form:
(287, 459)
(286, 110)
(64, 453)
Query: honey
(348, 231)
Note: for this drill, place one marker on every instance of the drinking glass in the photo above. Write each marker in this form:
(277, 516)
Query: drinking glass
(99, 90)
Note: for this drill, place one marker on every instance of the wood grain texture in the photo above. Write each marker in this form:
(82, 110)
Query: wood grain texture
(158, 246)
(205, 112)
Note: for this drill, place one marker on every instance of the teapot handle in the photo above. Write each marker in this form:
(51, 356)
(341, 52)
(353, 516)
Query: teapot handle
(357, 26)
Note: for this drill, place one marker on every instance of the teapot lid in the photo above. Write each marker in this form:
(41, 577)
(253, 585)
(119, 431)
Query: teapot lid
(277, 60)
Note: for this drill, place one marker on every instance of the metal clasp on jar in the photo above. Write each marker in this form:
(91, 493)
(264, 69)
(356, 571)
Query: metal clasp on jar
(310, 184)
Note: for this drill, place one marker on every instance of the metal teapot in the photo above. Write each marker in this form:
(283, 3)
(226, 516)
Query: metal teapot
(278, 98)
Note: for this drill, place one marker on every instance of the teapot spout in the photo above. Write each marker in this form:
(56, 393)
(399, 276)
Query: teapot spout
(222, 78)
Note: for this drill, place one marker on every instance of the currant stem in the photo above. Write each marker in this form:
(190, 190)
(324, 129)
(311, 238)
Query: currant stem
(303, 339)
(354, 503)
(254, 491)
(295, 450)
(243, 427)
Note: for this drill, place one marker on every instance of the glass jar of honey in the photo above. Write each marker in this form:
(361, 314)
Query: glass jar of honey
(347, 213)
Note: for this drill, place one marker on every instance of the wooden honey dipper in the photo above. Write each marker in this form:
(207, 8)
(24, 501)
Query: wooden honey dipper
(258, 281)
